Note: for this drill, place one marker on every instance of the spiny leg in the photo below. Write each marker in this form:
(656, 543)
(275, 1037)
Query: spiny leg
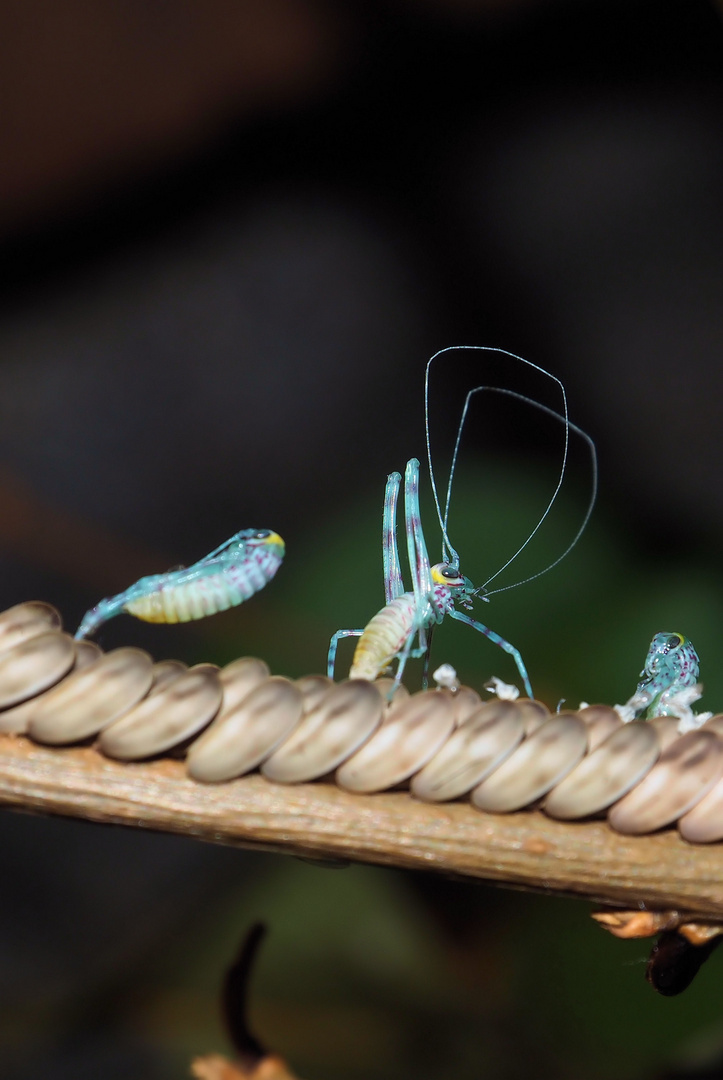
(333, 644)
(416, 545)
(393, 584)
(513, 652)
(418, 564)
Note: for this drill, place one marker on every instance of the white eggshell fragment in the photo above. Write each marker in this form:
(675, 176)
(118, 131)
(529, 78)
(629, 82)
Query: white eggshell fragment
(411, 734)
(162, 720)
(606, 774)
(534, 767)
(238, 740)
(313, 688)
(686, 772)
(25, 621)
(33, 665)
(239, 678)
(471, 753)
(704, 823)
(90, 699)
(344, 719)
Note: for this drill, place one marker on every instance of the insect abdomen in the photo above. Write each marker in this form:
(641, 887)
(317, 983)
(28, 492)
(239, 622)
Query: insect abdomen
(204, 596)
(383, 637)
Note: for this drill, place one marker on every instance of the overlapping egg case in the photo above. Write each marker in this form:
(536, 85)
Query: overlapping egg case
(440, 744)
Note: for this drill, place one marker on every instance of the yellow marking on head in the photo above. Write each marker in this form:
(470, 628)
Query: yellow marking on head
(437, 576)
(274, 538)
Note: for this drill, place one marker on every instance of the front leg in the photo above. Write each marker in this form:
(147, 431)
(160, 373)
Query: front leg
(514, 653)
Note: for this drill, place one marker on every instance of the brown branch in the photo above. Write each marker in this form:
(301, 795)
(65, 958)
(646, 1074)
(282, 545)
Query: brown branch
(524, 850)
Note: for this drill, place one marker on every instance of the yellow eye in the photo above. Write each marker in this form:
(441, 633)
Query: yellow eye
(442, 574)
(269, 537)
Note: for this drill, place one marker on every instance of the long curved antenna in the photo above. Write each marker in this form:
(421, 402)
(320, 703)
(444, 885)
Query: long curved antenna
(448, 552)
(593, 494)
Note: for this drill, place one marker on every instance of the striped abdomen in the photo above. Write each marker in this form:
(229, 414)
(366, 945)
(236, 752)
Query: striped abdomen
(174, 601)
(383, 637)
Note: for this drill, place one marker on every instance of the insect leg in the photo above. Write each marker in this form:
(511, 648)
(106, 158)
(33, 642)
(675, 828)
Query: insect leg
(416, 546)
(407, 651)
(418, 564)
(331, 660)
(427, 655)
(102, 612)
(393, 585)
(513, 652)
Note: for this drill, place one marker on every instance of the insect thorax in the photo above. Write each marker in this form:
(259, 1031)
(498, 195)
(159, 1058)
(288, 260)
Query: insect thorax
(442, 601)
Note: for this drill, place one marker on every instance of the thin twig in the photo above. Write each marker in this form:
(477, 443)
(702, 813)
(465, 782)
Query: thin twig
(524, 850)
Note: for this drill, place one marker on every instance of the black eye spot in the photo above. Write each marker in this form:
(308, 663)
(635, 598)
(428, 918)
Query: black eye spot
(450, 572)
(262, 534)
(673, 642)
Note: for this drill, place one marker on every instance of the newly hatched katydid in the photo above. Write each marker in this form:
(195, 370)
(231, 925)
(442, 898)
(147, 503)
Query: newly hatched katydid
(230, 574)
(410, 617)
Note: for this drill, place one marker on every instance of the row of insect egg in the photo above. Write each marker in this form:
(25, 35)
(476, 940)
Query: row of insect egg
(446, 745)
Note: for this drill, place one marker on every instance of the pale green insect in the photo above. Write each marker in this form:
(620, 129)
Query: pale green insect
(410, 615)
(230, 574)
(671, 665)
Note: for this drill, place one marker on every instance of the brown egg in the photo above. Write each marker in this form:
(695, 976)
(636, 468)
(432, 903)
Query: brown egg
(471, 753)
(16, 718)
(173, 714)
(666, 728)
(704, 823)
(534, 714)
(313, 688)
(24, 621)
(164, 673)
(90, 699)
(239, 739)
(411, 734)
(602, 721)
(606, 774)
(33, 665)
(686, 771)
(534, 767)
(467, 702)
(86, 653)
(239, 678)
(341, 722)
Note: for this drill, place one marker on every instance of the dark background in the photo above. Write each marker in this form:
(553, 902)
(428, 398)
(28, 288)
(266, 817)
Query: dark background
(232, 234)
